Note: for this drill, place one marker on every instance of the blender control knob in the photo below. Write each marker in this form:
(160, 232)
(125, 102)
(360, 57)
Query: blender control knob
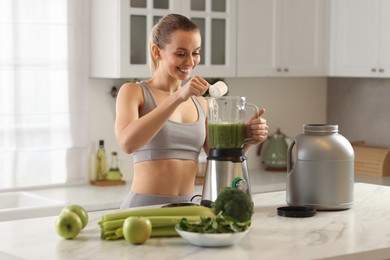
(240, 183)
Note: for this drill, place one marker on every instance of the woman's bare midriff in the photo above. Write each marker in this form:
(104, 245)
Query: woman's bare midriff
(171, 177)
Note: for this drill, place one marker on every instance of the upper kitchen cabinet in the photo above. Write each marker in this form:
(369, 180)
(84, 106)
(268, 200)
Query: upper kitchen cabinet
(281, 38)
(360, 38)
(120, 35)
(216, 20)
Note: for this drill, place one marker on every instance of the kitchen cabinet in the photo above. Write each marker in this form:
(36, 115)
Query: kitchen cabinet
(360, 38)
(120, 35)
(216, 20)
(281, 38)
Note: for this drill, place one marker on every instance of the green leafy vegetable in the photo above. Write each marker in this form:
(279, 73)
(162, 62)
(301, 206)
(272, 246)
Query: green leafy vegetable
(234, 203)
(218, 224)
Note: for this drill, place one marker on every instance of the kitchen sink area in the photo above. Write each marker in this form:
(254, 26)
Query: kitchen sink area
(46, 202)
(15, 200)
(19, 205)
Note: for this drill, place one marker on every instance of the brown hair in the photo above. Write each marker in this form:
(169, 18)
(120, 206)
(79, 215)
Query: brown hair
(161, 33)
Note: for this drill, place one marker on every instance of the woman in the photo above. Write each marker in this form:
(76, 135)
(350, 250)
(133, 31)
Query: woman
(162, 123)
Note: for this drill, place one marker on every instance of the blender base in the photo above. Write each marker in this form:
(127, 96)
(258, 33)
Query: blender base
(221, 174)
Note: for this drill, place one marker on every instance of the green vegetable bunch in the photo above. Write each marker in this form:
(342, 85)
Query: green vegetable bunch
(234, 203)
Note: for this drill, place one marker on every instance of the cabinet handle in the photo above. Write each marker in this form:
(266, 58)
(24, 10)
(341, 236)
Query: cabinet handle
(285, 69)
(373, 70)
(381, 70)
(279, 70)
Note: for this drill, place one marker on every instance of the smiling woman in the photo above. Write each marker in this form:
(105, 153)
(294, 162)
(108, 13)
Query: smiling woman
(40, 95)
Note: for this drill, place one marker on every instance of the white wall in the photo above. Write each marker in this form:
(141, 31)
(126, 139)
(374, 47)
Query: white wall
(360, 106)
(102, 123)
(289, 103)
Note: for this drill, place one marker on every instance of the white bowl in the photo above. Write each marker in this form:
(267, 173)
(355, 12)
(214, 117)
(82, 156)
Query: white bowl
(212, 240)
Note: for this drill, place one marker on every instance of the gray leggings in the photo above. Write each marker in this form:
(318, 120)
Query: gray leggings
(134, 199)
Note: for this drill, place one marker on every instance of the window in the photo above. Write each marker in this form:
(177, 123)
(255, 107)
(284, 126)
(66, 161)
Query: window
(41, 119)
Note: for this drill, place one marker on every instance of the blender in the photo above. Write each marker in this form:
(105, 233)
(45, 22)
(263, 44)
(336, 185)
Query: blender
(226, 162)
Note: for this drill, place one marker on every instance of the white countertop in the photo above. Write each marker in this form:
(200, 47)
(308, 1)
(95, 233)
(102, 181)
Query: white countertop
(361, 232)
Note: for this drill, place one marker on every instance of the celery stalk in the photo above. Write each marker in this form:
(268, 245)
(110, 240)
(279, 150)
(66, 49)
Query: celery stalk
(112, 224)
(164, 232)
(173, 211)
(167, 231)
(156, 221)
(164, 221)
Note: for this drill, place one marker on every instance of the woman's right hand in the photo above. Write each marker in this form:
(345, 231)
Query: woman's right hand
(196, 86)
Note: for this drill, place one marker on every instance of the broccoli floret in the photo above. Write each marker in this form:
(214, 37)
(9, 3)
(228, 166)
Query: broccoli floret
(234, 203)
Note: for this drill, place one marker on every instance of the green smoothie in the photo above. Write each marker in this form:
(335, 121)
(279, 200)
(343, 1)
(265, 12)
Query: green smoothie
(226, 136)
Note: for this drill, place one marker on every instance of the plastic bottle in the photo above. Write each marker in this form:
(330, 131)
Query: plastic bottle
(114, 173)
(322, 175)
(101, 162)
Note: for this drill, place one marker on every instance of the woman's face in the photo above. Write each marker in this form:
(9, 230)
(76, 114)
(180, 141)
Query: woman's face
(181, 55)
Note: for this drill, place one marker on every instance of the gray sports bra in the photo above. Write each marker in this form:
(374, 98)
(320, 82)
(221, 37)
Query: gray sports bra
(174, 140)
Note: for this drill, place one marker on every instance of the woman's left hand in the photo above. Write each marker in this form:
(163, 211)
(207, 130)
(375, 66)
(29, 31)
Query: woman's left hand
(257, 129)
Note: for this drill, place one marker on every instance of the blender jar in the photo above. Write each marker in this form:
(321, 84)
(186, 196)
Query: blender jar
(226, 122)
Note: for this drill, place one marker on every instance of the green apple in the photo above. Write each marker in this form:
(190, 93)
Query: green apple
(68, 225)
(137, 230)
(80, 211)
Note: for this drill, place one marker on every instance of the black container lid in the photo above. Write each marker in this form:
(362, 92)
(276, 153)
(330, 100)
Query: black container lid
(296, 211)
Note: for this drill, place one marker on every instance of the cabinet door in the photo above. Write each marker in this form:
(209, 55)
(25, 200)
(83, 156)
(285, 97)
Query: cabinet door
(384, 61)
(120, 35)
(355, 37)
(258, 37)
(216, 20)
(138, 20)
(281, 38)
(303, 38)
